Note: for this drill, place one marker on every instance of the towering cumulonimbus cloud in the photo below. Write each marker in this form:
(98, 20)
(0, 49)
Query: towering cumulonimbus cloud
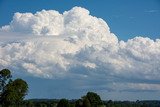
(75, 44)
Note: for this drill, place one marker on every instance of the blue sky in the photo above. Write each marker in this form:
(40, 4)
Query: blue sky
(65, 54)
(126, 18)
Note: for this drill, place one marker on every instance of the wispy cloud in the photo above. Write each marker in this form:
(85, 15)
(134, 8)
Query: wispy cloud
(152, 11)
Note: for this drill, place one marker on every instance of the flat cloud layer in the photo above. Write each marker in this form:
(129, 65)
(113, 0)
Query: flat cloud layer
(75, 45)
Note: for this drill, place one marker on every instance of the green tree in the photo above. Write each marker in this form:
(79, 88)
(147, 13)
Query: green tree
(110, 103)
(11, 92)
(53, 104)
(5, 77)
(86, 103)
(94, 99)
(63, 103)
(79, 103)
(14, 92)
(41, 104)
(29, 104)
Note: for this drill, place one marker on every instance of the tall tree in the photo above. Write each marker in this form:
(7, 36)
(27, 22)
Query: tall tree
(11, 91)
(86, 103)
(5, 77)
(14, 92)
(94, 99)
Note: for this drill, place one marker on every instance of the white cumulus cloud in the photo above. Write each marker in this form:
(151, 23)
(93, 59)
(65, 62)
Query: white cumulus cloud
(75, 44)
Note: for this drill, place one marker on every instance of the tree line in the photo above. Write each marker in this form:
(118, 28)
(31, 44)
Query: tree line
(12, 93)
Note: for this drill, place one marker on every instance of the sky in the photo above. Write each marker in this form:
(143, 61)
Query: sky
(126, 18)
(66, 48)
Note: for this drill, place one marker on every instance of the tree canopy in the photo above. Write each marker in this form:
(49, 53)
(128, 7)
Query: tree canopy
(12, 91)
(63, 103)
(86, 102)
(5, 77)
(94, 99)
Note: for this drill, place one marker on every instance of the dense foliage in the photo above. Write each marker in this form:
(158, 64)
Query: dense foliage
(63, 103)
(72, 103)
(12, 92)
